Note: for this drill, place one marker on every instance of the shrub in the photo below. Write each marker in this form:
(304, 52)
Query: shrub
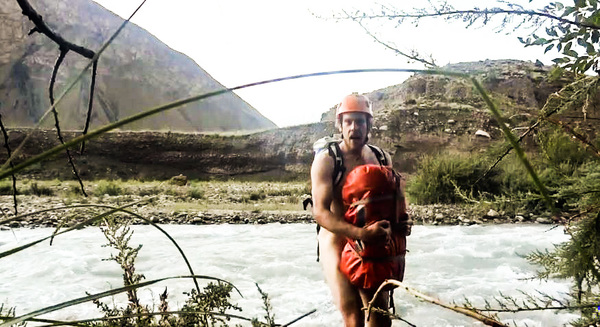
(108, 187)
(38, 190)
(258, 195)
(560, 148)
(196, 193)
(6, 188)
(449, 178)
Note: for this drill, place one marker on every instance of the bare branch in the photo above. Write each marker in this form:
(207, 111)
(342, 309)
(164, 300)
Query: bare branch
(396, 50)
(391, 282)
(14, 179)
(59, 61)
(90, 103)
(480, 12)
(578, 136)
(41, 27)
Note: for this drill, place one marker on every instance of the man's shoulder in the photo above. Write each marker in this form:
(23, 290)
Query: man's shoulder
(382, 156)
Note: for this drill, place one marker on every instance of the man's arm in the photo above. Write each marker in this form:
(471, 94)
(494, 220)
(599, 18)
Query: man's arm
(322, 195)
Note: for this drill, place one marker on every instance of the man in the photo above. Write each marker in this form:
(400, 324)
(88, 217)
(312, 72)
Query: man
(354, 117)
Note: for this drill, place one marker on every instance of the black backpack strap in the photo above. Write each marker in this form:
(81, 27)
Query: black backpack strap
(380, 155)
(338, 165)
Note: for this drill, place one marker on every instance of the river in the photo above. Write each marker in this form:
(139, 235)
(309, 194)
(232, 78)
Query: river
(448, 262)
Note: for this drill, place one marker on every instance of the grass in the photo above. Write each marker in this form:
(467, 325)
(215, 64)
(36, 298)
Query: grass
(200, 195)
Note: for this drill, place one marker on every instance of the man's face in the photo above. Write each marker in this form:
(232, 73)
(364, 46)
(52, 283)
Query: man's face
(354, 129)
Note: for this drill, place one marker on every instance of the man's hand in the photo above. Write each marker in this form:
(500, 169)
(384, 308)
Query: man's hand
(378, 232)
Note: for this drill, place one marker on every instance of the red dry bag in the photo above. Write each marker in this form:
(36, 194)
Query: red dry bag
(372, 193)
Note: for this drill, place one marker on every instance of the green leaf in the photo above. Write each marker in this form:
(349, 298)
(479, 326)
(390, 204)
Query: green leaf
(551, 32)
(559, 6)
(568, 46)
(559, 47)
(571, 53)
(595, 36)
(568, 37)
(548, 48)
(568, 11)
(540, 41)
(590, 50)
(562, 28)
(561, 60)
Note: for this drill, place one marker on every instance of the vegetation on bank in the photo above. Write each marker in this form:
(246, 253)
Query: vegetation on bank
(198, 195)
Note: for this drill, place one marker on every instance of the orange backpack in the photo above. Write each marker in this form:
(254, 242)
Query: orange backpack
(372, 193)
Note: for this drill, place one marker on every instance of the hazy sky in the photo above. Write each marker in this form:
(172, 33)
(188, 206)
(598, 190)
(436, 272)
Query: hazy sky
(240, 41)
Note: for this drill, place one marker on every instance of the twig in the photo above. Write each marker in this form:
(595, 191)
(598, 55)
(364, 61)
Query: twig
(482, 12)
(41, 27)
(61, 57)
(90, 103)
(74, 82)
(508, 148)
(410, 57)
(14, 179)
(578, 136)
(301, 317)
(485, 319)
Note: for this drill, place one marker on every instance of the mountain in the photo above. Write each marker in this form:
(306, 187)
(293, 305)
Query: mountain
(426, 114)
(136, 72)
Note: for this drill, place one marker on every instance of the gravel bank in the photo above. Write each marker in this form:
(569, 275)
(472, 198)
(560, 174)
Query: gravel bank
(155, 212)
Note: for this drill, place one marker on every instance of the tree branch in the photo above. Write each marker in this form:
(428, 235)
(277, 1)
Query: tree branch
(61, 57)
(90, 103)
(41, 27)
(397, 51)
(14, 179)
(482, 12)
(578, 136)
(485, 319)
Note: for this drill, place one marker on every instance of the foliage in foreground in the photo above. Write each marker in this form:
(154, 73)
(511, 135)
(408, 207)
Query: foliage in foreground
(209, 307)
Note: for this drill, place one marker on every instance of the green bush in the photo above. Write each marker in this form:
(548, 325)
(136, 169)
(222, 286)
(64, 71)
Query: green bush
(6, 188)
(258, 195)
(196, 193)
(562, 150)
(450, 178)
(108, 187)
(40, 190)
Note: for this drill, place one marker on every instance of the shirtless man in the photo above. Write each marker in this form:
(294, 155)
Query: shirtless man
(354, 120)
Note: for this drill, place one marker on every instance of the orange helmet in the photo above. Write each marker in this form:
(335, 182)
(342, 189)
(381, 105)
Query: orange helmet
(354, 103)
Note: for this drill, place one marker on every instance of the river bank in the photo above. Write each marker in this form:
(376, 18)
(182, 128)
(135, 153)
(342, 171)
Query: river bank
(51, 211)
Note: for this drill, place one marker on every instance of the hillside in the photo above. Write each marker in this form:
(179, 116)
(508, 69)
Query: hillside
(424, 115)
(136, 72)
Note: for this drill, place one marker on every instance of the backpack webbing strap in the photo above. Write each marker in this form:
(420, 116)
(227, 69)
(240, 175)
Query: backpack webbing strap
(338, 165)
(380, 155)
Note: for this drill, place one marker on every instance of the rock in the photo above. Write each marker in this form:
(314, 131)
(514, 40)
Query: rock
(519, 218)
(439, 217)
(492, 213)
(383, 128)
(542, 220)
(179, 180)
(482, 134)
(451, 121)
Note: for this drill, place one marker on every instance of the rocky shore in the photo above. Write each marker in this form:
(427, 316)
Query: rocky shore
(155, 212)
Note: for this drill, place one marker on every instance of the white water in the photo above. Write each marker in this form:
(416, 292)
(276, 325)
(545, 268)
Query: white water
(448, 262)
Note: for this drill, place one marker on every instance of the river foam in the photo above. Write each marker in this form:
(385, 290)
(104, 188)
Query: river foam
(448, 262)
